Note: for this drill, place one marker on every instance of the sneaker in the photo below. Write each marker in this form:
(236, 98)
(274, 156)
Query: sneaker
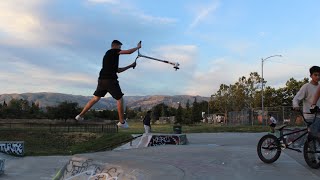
(123, 125)
(79, 118)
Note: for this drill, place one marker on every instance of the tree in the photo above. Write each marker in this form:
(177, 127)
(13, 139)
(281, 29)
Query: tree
(14, 109)
(203, 106)
(130, 113)
(271, 98)
(171, 111)
(252, 85)
(246, 94)
(196, 112)
(179, 115)
(222, 99)
(163, 111)
(65, 110)
(158, 110)
(34, 110)
(291, 89)
(187, 113)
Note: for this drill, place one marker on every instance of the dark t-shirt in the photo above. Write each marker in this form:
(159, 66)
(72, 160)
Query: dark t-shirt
(146, 120)
(110, 64)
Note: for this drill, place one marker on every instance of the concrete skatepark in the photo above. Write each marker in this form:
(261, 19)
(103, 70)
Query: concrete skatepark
(206, 156)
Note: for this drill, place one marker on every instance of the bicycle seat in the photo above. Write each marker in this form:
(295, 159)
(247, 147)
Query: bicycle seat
(280, 128)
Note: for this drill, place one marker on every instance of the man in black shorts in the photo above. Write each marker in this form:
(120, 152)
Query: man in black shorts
(108, 80)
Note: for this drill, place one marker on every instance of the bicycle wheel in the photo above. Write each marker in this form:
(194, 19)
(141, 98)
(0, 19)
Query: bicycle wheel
(268, 148)
(311, 146)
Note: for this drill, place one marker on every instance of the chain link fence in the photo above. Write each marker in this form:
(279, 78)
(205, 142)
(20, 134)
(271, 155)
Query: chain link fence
(283, 115)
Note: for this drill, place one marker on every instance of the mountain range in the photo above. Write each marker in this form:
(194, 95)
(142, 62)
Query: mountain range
(45, 99)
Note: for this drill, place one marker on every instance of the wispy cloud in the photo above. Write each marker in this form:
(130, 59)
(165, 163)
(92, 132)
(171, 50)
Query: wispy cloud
(262, 34)
(24, 24)
(19, 21)
(277, 71)
(104, 1)
(31, 77)
(219, 71)
(152, 77)
(128, 9)
(154, 19)
(240, 47)
(202, 13)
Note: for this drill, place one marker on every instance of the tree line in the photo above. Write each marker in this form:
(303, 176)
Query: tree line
(243, 94)
(23, 109)
(246, 94)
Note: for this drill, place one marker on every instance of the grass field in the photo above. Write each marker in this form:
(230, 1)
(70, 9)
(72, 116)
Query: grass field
(46, 143)
(43, 142)
(137, 128)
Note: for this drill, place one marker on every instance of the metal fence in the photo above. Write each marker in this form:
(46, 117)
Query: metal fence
(60, 127)
(283, 115)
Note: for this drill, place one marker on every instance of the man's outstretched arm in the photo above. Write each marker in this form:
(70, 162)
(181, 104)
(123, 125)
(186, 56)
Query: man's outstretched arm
(133, 65)
(130, 51)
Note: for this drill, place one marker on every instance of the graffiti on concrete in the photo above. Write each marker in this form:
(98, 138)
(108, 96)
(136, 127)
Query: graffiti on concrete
(82, 168)
(12, 147)
(157, 140)
(1, 166)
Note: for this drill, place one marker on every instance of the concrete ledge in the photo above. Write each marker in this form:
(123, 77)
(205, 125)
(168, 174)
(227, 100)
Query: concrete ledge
(12, 147)
(162, 139)
(2, 166)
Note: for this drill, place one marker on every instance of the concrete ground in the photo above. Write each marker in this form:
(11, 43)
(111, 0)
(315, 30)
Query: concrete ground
(213, 156)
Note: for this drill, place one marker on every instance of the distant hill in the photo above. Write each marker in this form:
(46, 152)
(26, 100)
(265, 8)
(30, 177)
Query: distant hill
(145, 102)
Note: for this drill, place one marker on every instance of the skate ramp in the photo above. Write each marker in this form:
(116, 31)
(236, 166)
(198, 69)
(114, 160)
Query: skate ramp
(162, 139)
(82, 168)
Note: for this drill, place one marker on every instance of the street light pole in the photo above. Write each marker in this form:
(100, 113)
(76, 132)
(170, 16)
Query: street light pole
(262, 80)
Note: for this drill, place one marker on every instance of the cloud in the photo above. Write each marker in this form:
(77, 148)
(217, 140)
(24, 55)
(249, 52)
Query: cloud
(262, 34)
(24, 24)
(152, 77)
(295, 63)
(128, 9)
(154, 19)
(223, 70)
(25, 76)
(18, 21)
(202, 13)
(185, 55)
(239, 47)
(104, 1)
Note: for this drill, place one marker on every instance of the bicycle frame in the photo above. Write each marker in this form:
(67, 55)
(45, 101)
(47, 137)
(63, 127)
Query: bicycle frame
(282, 135)
(305, 130)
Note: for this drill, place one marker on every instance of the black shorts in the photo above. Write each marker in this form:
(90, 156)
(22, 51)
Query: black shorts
(272, 125)
(108, 86)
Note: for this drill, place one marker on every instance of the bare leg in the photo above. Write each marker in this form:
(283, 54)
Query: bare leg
(120, 109)
(93, 101)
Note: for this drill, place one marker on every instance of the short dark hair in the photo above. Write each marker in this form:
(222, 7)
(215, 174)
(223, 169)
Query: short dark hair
(116, 42)
(314, 69)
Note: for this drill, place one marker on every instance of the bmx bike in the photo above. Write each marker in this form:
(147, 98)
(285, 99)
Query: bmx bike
(269, 147)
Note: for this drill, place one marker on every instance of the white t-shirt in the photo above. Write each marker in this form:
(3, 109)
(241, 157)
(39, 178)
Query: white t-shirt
(306, 95)
(273, 120)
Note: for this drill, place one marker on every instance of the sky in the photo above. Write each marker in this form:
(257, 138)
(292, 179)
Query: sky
(58, 45)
